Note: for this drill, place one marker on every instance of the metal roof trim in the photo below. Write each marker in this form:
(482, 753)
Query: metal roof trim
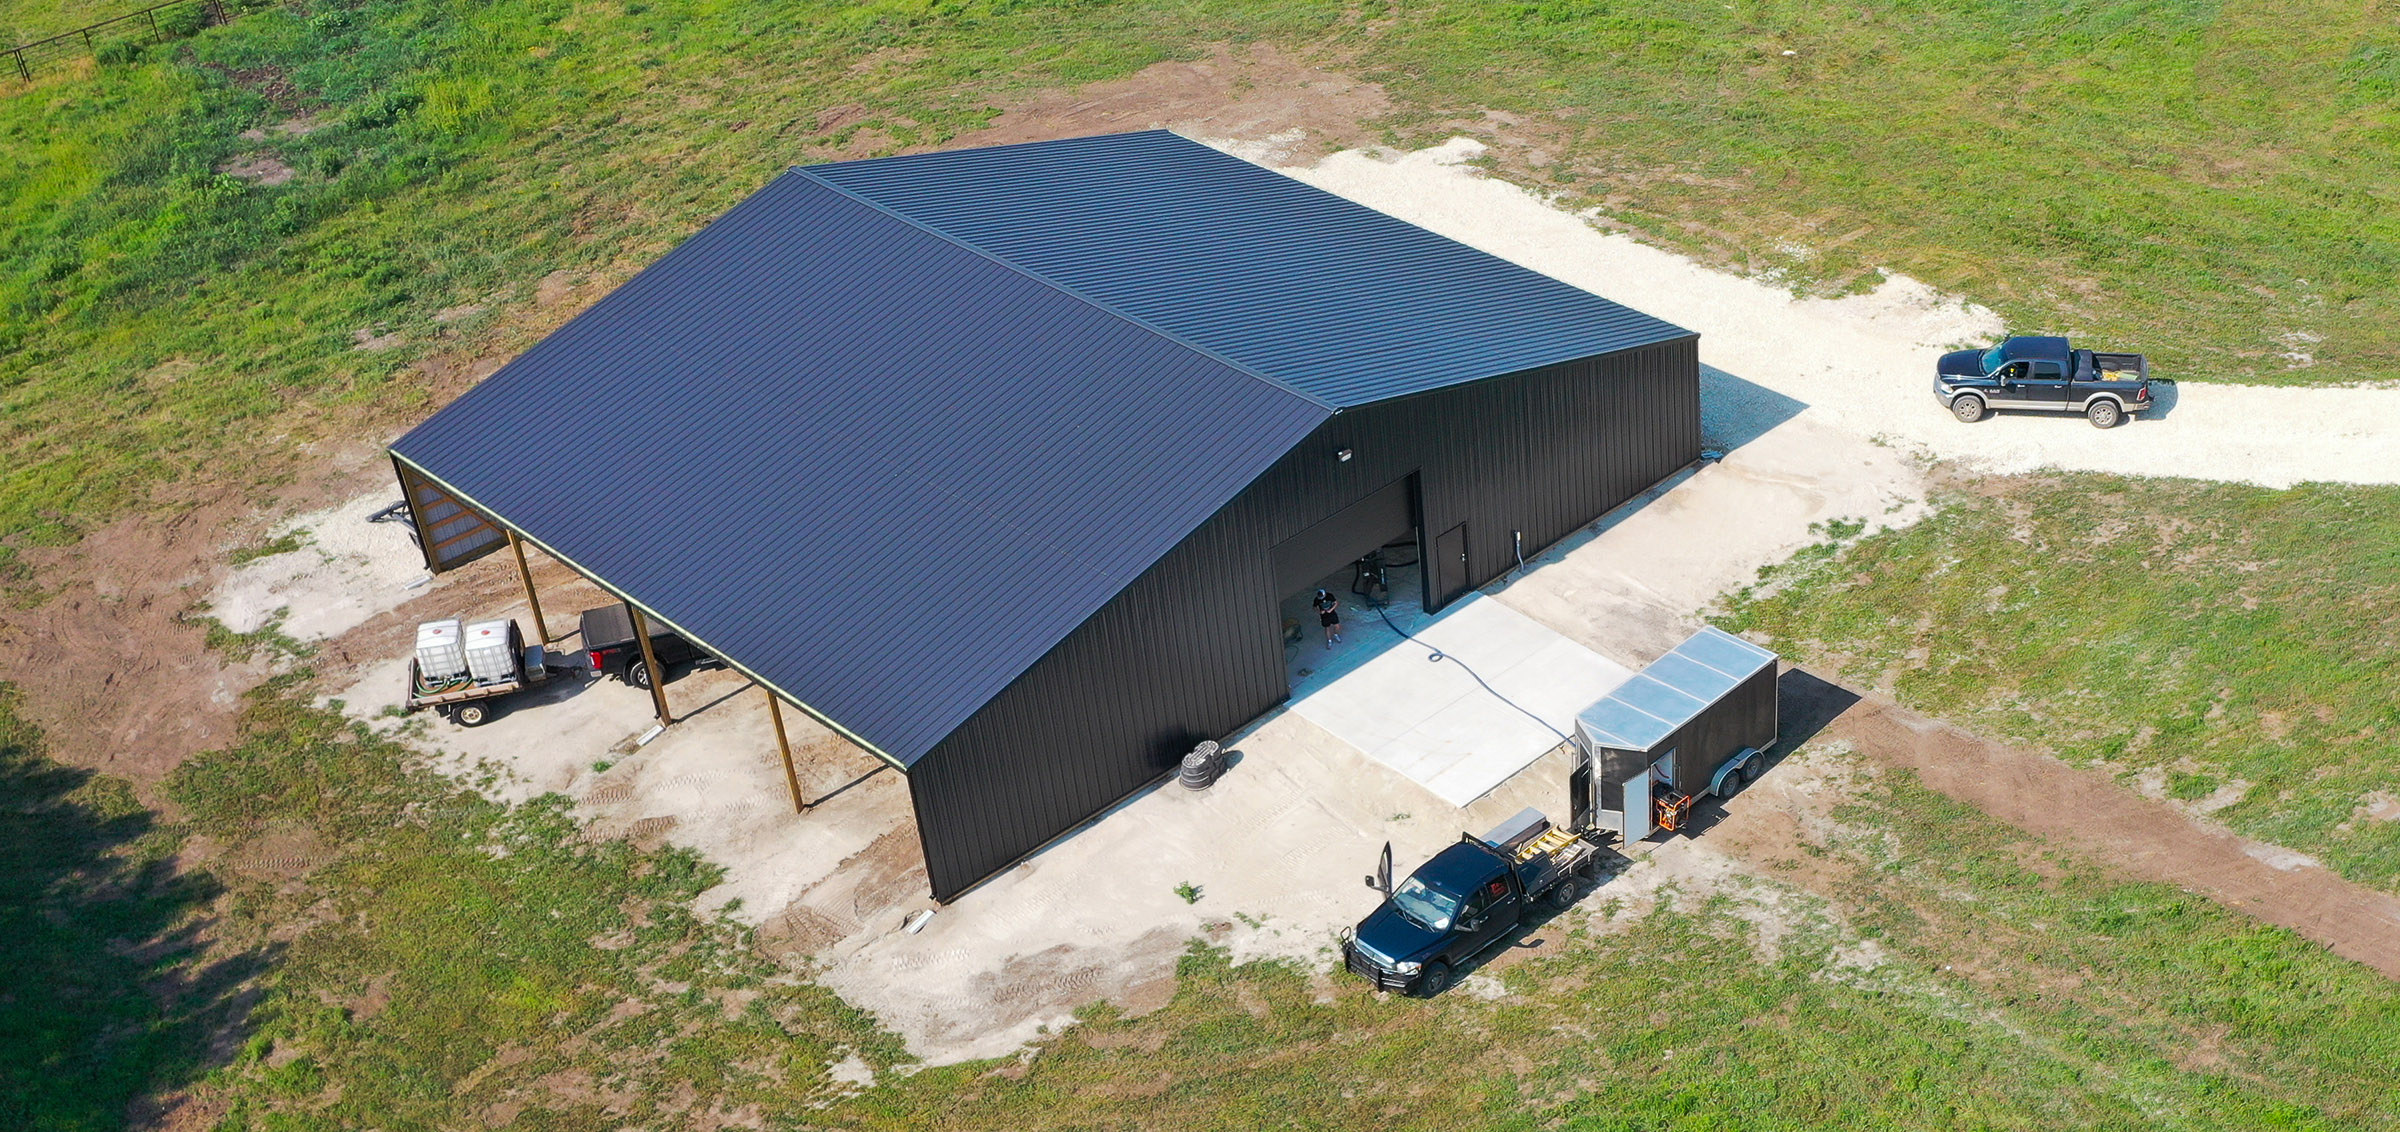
(1062, 288)
(653, 614)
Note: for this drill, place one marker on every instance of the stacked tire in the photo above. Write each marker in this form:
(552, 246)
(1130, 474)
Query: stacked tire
(1202, 766)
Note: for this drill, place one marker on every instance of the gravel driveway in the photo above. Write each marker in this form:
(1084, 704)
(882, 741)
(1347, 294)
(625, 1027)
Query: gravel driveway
(1864, 364)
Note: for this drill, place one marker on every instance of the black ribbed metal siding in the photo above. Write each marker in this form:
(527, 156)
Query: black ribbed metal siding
(1743, 717)
(1193, 650)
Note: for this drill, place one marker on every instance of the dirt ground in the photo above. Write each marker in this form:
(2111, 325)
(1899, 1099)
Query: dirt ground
(114, 668)
(1262, 94)
(2089, 812)
(113, 664)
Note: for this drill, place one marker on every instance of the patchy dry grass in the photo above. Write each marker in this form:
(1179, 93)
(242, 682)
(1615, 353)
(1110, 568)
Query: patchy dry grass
(355, 942)
(2206, 633)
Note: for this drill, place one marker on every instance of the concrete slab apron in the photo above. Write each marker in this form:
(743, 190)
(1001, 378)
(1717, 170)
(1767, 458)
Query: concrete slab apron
(1429, 718)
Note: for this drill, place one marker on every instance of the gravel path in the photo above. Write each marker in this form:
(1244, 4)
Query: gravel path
(1865, 363)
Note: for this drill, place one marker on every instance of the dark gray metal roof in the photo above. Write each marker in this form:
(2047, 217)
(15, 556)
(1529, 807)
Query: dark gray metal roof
(879, 471)
(885, 433)
(1334, 299)
(1673, 690)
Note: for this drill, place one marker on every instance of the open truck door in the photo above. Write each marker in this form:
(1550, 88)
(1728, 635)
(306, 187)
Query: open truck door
(1382, 880)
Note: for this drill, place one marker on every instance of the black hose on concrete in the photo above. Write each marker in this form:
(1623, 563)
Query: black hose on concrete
(1439, 655)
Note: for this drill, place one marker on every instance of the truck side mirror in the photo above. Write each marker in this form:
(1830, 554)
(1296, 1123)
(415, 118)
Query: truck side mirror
(1371, 883)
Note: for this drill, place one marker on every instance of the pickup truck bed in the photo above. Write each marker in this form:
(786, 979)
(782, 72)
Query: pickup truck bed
(607, 634)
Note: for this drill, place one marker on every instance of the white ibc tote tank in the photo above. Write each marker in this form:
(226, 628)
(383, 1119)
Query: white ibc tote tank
(489, 655)
(441, 650)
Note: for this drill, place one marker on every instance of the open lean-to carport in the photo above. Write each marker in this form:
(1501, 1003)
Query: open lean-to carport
(1002, 462)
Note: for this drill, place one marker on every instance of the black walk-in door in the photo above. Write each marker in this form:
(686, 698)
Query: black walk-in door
(1449, 574)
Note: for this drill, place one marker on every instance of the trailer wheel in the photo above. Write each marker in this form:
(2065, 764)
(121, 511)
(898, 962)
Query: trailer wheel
(1751, 769)
(470, 715)
(1435, 980)
(1967, 407)
(2104, 414)
(638, 674)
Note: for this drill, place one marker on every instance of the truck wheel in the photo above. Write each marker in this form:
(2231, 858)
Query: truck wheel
(1564, 894)
(2104, 414)
(638, 674)
(1435, 980)
(470, 715)
(1967, 407)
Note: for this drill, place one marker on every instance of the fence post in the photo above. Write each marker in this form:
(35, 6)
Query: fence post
(154, 36)
(23, 72)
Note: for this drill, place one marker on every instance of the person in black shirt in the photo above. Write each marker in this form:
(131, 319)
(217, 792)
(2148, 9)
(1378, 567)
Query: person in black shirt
(1329, 615)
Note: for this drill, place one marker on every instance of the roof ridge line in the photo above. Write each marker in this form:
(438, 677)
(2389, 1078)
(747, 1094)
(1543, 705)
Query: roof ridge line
(1070, 292)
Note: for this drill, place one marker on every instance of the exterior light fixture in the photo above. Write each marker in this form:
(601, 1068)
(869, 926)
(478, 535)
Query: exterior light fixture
(1344, 455)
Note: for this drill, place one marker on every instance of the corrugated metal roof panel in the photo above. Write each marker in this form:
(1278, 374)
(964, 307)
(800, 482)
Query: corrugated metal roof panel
(1338, 301)
(1725, 652)
(1673, 690)
(785, 436)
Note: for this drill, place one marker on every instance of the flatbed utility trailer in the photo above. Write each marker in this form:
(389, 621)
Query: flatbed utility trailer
(468, 701)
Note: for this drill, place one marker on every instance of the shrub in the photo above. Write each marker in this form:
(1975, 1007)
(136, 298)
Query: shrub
(382, 108)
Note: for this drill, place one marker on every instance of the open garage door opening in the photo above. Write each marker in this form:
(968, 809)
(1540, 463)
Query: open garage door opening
(1364, 559)
(1386, 581)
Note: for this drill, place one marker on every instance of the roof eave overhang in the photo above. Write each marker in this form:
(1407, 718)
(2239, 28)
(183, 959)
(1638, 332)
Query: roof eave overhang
(627, 597)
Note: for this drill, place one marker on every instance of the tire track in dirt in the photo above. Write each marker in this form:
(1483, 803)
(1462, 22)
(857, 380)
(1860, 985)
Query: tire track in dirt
(2087, 811)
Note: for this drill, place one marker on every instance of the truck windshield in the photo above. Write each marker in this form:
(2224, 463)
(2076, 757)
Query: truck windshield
(1994, 356)
(1425, 906)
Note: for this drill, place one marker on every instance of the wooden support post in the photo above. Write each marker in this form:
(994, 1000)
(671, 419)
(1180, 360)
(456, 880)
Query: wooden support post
(658, 676)
(541, 628)
(783, 743)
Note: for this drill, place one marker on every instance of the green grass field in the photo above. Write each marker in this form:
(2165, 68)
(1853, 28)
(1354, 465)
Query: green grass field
(24, 21)
(2234, 642)
(2212, 183)
(427, 959)
(359, 943)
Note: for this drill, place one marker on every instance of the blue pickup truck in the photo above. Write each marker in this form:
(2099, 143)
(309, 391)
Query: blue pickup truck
(2045, 375)
(1467, 898)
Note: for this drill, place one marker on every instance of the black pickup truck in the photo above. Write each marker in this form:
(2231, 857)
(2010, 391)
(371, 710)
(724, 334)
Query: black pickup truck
(2045, 374)
(1464, 900)
(608, 638)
